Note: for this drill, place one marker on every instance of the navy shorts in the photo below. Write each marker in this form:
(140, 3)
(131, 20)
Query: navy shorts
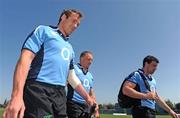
(44, 100)
(75, 110)
(143, 112)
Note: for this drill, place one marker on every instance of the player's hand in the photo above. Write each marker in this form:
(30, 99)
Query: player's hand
(15, 108)
(151, 95)
(97, 115)
(97, 112)
(90, 101)
(173, 114)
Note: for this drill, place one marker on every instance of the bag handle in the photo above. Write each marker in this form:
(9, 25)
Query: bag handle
(145, 80)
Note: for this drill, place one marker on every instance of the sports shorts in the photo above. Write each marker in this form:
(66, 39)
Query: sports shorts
(75, 110)
(143, 112)
(44, 100)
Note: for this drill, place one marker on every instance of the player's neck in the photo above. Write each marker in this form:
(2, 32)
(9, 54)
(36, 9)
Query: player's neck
(62, 30)
(145, 71)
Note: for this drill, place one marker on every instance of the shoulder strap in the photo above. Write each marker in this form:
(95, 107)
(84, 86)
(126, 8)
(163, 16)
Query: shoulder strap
(145, 81)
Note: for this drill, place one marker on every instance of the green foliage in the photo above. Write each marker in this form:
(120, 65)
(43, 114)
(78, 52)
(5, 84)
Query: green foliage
(106, 106)
(100, 106)
(170, 104)
(5, 103)
(110, 106)
(178, 106)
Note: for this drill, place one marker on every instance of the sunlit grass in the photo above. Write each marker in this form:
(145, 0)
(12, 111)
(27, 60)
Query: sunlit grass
(105, 115)
(1, 112)
(128, 116)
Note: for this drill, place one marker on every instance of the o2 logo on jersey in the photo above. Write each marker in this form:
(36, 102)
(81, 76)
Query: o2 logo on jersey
(65, 53)
(86, 83)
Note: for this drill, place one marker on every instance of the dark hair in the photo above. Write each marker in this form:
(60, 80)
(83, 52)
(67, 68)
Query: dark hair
(68, 12)
(84, 53)
(149, 59)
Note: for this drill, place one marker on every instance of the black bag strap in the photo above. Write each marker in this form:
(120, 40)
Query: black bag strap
(145, 80)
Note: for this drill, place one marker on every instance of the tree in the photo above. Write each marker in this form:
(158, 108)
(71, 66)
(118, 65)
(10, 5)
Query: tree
(110, 106)
(170, 104)
(178, 106)
(5, 103)
(100, 106)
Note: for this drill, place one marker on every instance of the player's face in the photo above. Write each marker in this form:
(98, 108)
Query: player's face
(152, 67)
(87, 60)
(71, 23)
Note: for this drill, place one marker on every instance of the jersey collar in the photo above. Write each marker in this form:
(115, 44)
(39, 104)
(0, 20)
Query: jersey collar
(141, 71)
(66, 38)
(80, 66)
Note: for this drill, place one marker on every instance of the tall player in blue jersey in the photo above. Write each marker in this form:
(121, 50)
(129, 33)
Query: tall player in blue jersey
(76, 105)
(145, 108)
(45, 65)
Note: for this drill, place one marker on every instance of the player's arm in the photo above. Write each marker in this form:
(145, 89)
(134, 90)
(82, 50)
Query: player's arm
(74, 81)
(93, 96)
(16, 104)
(128, 89)
(163, 104)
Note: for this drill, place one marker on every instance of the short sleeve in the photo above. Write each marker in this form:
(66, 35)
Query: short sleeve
(34, 40)
(133, 77)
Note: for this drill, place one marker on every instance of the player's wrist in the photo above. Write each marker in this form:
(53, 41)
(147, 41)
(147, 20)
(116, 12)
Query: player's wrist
(89, 100)
(16, 95)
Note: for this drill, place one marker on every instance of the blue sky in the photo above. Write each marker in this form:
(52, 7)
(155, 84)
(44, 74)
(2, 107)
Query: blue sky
(120, 33)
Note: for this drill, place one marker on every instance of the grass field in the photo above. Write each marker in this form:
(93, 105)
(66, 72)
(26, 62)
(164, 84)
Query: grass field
(103, 115)
(1, 111)
(112, 116)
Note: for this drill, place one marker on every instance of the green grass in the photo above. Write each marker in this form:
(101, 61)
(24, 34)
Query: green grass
(1, 112)
(102, 115)
(112, 116)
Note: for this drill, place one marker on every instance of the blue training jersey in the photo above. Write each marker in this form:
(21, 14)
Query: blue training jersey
(86, 79)
(53, 54)
(136, 79)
